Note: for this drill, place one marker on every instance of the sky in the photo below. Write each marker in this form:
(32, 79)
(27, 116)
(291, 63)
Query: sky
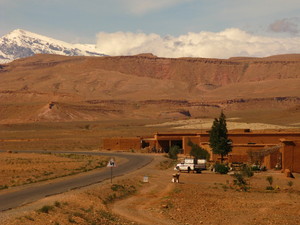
(166, 28)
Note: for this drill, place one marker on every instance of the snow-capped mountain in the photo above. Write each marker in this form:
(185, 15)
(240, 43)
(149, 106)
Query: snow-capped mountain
(20, 43)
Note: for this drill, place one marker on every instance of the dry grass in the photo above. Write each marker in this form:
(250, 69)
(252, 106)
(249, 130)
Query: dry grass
(82, 136)
(88, 206)
(24, 168)
(213, 199)
(206, 198)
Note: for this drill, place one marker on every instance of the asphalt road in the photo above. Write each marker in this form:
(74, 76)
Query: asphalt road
(33, 193)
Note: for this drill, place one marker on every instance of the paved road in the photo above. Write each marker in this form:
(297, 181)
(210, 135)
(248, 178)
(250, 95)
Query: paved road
(35, 192)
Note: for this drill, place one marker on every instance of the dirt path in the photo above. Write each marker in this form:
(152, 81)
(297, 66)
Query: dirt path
(146, 207)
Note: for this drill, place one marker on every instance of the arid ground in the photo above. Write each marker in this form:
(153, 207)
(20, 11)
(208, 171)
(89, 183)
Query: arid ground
(18, 169)
(50, 102)
(206, 198)
(88, 135)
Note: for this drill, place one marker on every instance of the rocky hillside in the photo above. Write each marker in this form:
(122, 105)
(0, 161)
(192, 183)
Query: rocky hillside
(60, 88)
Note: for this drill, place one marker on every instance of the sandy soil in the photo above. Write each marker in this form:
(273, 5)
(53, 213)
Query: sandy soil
(25, 168)
(210, 198)
(231, 125)
(206, 198)
(145, 207)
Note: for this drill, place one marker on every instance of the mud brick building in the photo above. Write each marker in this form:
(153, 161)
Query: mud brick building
(271, 148)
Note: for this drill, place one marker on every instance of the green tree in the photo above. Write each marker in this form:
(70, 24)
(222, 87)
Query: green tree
(197, 151)
(218, 139)
(173, 152)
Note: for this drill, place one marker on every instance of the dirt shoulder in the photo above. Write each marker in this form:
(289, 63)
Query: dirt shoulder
(206, 198)
(92, 204)
(146, 206)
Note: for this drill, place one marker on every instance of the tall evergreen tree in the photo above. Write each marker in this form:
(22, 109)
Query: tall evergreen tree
(218, 139)
(198, 152)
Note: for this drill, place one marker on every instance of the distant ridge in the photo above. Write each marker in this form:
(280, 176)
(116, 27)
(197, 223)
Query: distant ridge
(48, 87)
(21, 43)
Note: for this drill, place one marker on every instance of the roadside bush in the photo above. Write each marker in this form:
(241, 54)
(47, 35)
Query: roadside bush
(240, 181)
(269, 188)
(247, 171)
(46, 209)
(121, 191)
(221, 168)
(173, 152)
(270, 181)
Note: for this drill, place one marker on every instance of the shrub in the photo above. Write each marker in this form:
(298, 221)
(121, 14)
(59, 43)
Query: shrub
(290, 183)
(121, 191)
(3, 187)
(117, 187)
(173, 152)
(29, 218)
(46, 209)
(221, 168)
(57, 204)
(108, 216)
(247, 171)
(240, 181)
(270, 180)
(270, 188)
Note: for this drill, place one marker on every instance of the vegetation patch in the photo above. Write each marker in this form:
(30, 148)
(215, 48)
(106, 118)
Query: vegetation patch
(166, 164)
(221, 168)
(46, 209)
(119, 192)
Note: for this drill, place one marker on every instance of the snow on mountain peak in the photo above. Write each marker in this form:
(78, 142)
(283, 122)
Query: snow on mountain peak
(21, 43)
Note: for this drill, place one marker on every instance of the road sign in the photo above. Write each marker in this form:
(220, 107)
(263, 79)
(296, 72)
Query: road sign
(111, 163)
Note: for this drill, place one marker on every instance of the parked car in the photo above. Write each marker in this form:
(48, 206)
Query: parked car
(191, 164)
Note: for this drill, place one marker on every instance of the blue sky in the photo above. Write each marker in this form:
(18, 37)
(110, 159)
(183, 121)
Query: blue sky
(78, 21)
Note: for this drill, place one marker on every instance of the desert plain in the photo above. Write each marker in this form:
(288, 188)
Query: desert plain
(50, 103)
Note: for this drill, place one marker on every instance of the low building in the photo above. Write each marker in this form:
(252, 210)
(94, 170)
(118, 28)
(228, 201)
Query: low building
(271, 148)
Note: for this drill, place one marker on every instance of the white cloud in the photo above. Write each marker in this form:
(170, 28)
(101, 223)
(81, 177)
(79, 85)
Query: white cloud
(224, 44)
(145, 6)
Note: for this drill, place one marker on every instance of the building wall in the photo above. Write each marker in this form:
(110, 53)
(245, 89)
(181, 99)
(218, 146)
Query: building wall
(256, 137)
(242, 143)
(272, 160)
(291, 155)
(185, 143)
(239, 153)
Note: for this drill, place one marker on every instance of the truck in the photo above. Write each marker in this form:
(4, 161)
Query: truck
(191, 164)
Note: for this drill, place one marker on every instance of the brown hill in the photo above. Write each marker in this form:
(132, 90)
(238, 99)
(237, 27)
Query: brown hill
(59, 88)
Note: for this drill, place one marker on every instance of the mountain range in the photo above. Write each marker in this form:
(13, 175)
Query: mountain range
(20, 43)
(52, 88)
